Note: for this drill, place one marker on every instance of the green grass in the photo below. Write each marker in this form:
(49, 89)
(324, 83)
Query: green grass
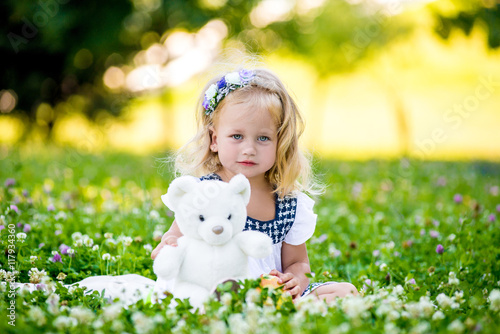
(379, 223)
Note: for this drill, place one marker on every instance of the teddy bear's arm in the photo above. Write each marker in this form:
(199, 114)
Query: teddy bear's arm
(168, 262)
(254, 244)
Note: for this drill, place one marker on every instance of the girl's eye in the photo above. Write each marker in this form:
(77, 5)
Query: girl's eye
(202, 218)
(237, 136)
(263, 138)
(229, 217)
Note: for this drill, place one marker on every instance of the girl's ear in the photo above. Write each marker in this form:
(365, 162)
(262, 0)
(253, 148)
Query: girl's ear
(213, 139)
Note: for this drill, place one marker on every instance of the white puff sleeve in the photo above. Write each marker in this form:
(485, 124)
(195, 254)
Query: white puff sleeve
(305, 221)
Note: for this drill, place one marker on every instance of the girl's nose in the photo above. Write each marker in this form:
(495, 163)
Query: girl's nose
(249, 148)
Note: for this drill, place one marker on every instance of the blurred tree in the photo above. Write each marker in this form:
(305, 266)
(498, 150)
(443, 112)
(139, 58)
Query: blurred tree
(462, 15)
(52, 49)
(336, 37)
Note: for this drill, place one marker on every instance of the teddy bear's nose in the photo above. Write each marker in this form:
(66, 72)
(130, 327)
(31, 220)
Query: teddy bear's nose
(217, 229)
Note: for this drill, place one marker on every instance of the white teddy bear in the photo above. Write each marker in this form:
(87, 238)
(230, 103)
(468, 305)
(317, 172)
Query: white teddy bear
(211, 216)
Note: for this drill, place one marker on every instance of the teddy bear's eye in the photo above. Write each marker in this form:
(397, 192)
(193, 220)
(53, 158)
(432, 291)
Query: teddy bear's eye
(202, 218)
(229, 217)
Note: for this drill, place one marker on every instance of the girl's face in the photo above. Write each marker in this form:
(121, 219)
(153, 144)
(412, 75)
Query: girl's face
(246, 141)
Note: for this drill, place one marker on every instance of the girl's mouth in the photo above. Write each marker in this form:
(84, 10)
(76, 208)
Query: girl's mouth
(247, 163)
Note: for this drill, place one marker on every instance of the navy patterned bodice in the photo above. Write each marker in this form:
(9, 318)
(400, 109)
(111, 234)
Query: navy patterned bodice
(276, 228)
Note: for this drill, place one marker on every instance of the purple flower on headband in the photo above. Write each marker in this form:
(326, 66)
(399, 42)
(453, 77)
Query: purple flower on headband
(221, 83)
(246, 75)
(206, 103)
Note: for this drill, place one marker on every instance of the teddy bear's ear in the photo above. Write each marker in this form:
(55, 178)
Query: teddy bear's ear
(177, 189)
(239, 185)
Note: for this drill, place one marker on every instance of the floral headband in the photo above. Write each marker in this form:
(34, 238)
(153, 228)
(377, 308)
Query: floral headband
(218, 91)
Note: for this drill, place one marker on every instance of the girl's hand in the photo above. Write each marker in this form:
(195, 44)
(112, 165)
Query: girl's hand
(171, 240)
(291, 283)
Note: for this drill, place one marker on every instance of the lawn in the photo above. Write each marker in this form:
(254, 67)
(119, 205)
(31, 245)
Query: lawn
(420, 241)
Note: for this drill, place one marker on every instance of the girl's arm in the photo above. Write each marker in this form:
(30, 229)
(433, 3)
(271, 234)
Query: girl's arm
(295, 264)
(169, 238)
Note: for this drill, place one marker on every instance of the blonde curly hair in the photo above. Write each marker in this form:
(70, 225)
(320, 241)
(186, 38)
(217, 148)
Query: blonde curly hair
(291, 172)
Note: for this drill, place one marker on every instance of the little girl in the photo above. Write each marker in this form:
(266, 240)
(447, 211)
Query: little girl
(249, 124)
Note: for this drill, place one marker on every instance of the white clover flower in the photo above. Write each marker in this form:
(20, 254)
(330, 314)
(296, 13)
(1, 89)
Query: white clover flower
(382, 266)
(393, 315)
(95, 248)
(157, 234)
(405, 315)
(237, 324)
(426, 306)
(142, 323)
(53, 303)
(72, 289)
(458, 296)
(226, 299)
(148, 248)
(117, 326)
(494, 299)
(63, 322)
(88, 242)
(82, 314)
(21, 236)
(390, 245)
(438, 315)
(78, 243)
(390, 328)
(252, 296)
(233, 78)
(98, 323)
(456, 327)
(108, 235)
(343, 328)
(421, 328)
(334, 252)
(112, 312)
(106, 256)
(217, 327)
(443, 300)
(153, 214)
(61, 215)
(76, 236)
(36, 275)
(33, 258)
(36, 315)
(126, 241)
(453, 280)
(111, 241)
(71, 251)
(398, 290)
(354, 307)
